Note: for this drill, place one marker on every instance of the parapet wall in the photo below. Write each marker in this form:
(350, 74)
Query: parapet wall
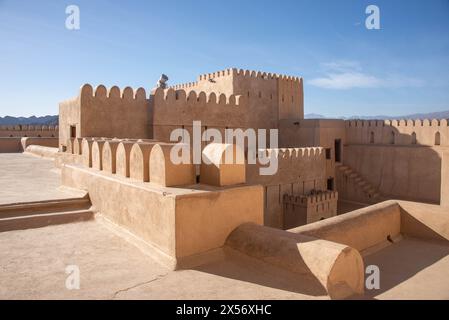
(114, 113)
(178, 109)
(294, 165)
(282, 96)
(299, 171)
(106, 113)
(307, 208)
(312, 199)
(28, 131)
(399, 172)
(401, 132)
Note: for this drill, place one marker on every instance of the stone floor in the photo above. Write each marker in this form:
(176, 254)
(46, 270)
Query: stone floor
(412, 269)
(33, 264)
(26, 178)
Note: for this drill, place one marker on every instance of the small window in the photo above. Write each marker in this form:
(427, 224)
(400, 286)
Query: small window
(437, 139)
(330, 184)
(392, 137)
(371, 137)
(328, 153)
(72, 131)
(414, 138)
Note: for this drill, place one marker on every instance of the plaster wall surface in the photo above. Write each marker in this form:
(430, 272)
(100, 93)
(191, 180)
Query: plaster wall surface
(69, 115)
(10, 145)
(404, 172)
(28, 131)
(178, 222)
(401, 132)
(445, 179)
(300, 170)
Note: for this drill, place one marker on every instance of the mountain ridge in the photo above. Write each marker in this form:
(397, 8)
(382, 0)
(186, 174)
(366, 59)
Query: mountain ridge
(54, 119)
(414, 116)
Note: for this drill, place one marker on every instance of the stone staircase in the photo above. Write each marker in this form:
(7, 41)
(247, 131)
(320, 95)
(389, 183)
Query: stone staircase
(20, 216)
(370, 192)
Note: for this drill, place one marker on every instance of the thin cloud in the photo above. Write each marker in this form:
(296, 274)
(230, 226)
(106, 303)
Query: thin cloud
(344, 75)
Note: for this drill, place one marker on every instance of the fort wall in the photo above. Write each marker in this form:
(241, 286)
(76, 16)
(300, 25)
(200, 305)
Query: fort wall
(178, 109)
(300, 170)
(69, 121)
(124, 113)
(280, 97)
(178, 222)
(398, 132)
(28, 131)
(305, 209)
(398, 172)
(106, 113)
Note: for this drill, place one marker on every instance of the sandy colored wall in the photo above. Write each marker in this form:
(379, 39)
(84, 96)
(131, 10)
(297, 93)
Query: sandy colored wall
(359, 131)
(106, 113)
(445, 179)
(360, 229)
(174, 109)
(263, 97)
(148, 215)
(300, 170)
(369, 227)
(339, 269)
(314, 132)
(43, 141)
(291, 98)
(69, 115)
(114, 112)
(271, 96)
(203, 222)
(28, 131)
(42, 151)
(300, 210)
(10, 145)
(404, 172)
(179, 224)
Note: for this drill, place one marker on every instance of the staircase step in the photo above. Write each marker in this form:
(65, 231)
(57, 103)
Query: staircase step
(52, 206)
(44, 219)
(367, 188)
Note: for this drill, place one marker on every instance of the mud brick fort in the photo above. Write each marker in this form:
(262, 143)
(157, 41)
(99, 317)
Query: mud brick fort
(346, 193)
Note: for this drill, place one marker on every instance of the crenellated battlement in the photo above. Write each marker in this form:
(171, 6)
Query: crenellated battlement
(25, 127)
(211, 109)
(246, 73)
(234, 72)
(171, 97)
(294, 153)
(311, 199)
(188, 85)
(402, 132)
(101, 92)
(398, 123)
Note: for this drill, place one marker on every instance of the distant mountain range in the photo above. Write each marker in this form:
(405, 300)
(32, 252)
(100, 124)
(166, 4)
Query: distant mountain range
(53, 120)
(33, 120)
(431, 115)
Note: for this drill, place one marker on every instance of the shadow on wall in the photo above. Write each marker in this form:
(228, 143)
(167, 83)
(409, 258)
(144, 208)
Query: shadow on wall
(401, 159)
(241, 267)
(424, 245)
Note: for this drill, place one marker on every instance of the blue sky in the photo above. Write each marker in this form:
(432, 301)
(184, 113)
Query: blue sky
(348, 70)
